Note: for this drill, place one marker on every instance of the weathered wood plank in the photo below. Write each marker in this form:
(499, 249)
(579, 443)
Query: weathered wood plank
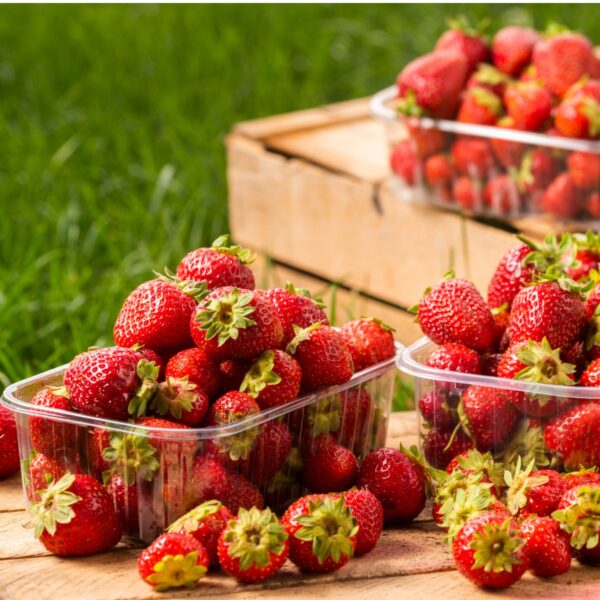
(11, 494)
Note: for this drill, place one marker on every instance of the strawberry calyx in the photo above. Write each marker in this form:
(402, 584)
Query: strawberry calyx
(408, 105)
(244, 255)
(554, 28)
(192, 519)
(301, 335)
(475, 462)
(496, 547)
(292, 289)
(237, 446)
(487, 99)
(223, 317)
(543, 365)
(462, 505)
(58, 390)
(254, 536)
(590, 109)
(174, 396)
(179, 570)
(589, 241)
(487, 74)
(582, 518)
(330, 526)
(54, 506)
(434, 478)
(553, 250)
(528, 446)
(147, 371)
(379, 322)
(194, 289)
(556, 274)
(260, 375)
(519, 482)
(324, 416)
(130, 456)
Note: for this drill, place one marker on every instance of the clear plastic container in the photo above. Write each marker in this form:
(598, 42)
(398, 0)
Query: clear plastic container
(525, 437)
(493, 171)
(183, 467)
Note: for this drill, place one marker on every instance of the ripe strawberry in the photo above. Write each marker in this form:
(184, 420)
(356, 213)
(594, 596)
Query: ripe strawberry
(584, 169)
(561, 60)
(368, 512)
(489, 551)
(439, 170)
(512, 48)
(242, 494)
(440, 447)
(269, 453)
(180, 400)
(369, 340)
(581, 477)
(501, 194)
(209, 480)
(311, 444)
(431, 85)
(454, 311)
(537, 170)
(205, 523)
(111, 382)
(397, 482)
(426, 141)
(490, 362)
(173, 560)
(587, 256)
(530, 74)
(508, 153)
(404, 162)
(561, 198)
(488, 78)
(528, 104)
(156, 315)
(75, 517)
(235, 323)
(198, 368)
(467, 192)
(357, 410)
(467, 40)
(232, 374)
(454, 357)
(591, 375)
(473, 157)
(547, 546)
(479, 106)
(39, 471)
(510, 276)
(332, 468)
(273, 380)
(125, 499)
(435, 410)
(322, 533)
(253, 546)
(323, 356)
(578, 115)
(571, 436)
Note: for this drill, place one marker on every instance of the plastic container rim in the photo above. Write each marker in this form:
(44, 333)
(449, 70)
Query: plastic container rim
(407, 363)
(379, 107)
(10, 400)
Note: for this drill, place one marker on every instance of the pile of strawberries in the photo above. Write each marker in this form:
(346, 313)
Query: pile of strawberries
(539, 325)
(524, 81)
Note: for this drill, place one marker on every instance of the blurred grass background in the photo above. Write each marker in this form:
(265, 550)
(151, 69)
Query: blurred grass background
(112, 121)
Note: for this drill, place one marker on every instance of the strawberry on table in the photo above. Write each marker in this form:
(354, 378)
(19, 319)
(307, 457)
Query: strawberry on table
(369, 340)
(528, 104)
(253, 546)
(368, 512)
(198, 368)
(546, 545)
(331, 468)
(467, 40)
(512, 48)
(479, 106)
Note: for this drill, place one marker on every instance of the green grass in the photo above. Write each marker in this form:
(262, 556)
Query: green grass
(112, 121)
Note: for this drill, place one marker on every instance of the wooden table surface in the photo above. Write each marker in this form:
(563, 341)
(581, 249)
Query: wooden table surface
(412, 563)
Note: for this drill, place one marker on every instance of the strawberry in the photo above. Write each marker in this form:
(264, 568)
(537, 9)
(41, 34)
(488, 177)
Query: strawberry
(562, 198)
(502, 195)
(528, 104)
(209, 480)
(75, 517)
(357, 411)
(512, 48)
(434, 409)
(198, 368)
(332, 468)
(125, 499)
(425, 140)
(39, 471)
(431, 85)
(578, 115)
(467, 40)
(474, 462)
(587, 257)
(242, 494)
(438, 170)
(454, 357)
(269, 453)
(440, 447)
(571, 436)
(368, 512)
(205, 523)
(156, 315)
(547, 546)
(537, 170)
(273, 380)
(454, 311)
(396, 481)
(473, 157)
(295, 306)
(510, 276)
(235, 323)
(584, 169)
(488, 78)
(181, 400)
(253, 546)
(369, 340)
(508, 153)
(405, 163)
(561, 60)
(530, 73)
(581, 477)
(479, 106)
(593, 205)
(490, 362)
(323, 356)
(489, 551)
(220, 265)
(322, 533)
(579, 515)
(467, 192)
(173, 560)
(232, 373)
(311, 444)
(112, 383)
(591, 375)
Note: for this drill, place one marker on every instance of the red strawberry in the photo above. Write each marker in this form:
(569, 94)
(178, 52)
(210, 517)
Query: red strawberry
(547, 546)
(370, 341)
(562, 198)
(198, 368)
(582, 477)
(479, 106)
(332, 468)
(323, 356)
(233, 373)
(75, 517)
(368, 512)
(311, 444)
(587, 257)
(156, 315)
(473, 157)
(454, 357)
(40, 470)
(572, 436)
(153, 357)
(273, 380)
(467, 192)
(591, 375)
(512, 48)
(578, 115)
(269, 453)
(235, 323)
(501, 194)
(489, 551)
(405, 163)
(205, 523)
(584, 169)
(397, 482)
(530, 74)
(242, 494)
(593, 205)
(126, 503)
(561, 60)
(173, 560)
(253, 546)
(466, 40)
(220, 265)
(432, 84)
(537, 170)
(111, 382)
(488, 78)
(528, 104)
(434, 408)
(181, 400)
(490, 362)
(454, 311)
(322, 533)
(209, 480)
(439, 170)
(440, 447)
(425, 140)
(357, 410)
(509, 153)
